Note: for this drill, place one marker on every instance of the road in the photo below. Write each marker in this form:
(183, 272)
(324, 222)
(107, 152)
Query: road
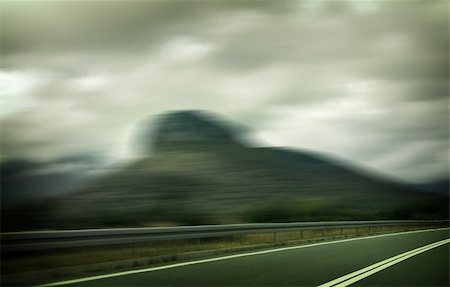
(326, 264)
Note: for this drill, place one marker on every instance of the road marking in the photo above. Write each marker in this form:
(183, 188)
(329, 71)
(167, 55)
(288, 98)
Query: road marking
(91, 278)
(377, 267)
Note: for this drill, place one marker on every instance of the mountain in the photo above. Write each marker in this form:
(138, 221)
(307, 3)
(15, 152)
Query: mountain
(178, 129)
(199, 171)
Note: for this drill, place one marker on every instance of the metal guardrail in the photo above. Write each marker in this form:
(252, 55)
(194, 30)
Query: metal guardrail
(41, 240)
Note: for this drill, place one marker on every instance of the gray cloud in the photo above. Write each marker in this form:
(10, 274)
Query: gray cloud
(365, 80)
(117, 25)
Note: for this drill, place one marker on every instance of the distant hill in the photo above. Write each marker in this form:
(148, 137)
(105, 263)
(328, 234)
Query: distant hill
(24, 180)
(441, 186)
(200, 171)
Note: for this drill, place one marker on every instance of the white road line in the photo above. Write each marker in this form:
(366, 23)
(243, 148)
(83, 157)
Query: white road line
(377, 267)
(91, 278)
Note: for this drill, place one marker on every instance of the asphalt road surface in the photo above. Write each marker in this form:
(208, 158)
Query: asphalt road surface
(406, 259)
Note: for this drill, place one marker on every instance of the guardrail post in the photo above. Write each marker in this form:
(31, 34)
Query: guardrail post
(275, 238)
(240, 239)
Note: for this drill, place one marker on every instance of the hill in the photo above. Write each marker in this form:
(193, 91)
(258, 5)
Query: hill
(441, 186)
(201, 172)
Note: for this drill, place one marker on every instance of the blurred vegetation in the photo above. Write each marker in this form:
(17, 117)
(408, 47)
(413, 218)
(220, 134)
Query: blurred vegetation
(210, 185)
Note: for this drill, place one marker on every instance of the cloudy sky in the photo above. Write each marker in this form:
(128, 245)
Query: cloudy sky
(365, 81)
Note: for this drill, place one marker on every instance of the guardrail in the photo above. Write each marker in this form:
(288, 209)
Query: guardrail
(41, 240)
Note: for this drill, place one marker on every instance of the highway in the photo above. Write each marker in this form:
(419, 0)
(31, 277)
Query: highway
(402, 259)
